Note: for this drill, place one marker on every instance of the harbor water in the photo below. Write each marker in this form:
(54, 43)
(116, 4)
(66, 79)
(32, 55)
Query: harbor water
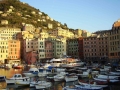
(55, 85)
(9, 73)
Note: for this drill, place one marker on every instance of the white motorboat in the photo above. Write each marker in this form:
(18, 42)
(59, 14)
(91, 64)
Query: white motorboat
(16, 78)
(22, 82)
(43, 85)
(71, 77)
(60, 76)
(56, 62)
(64, 65)
(32, 72)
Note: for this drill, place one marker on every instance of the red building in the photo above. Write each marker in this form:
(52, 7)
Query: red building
(80, 47)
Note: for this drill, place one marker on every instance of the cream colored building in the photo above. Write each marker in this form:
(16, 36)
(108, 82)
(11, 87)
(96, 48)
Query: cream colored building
(41, 48)
(3, 50)
(8, 33)
(61, 32)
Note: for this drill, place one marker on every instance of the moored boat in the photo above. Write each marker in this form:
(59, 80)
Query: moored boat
(15, 78)
(71, 77)
(2, 78)
(32, 72)
(91, 83)
(43, 85)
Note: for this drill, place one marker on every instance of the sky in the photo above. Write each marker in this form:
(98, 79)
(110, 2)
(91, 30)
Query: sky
(89, 15)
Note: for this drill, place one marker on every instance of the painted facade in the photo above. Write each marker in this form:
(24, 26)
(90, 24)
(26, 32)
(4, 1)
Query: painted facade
(3, 50)
(72, 48)
(8, 33)
(48, 49)
(14, 49)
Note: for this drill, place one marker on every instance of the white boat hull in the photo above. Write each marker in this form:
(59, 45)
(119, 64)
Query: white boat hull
(14, 81)
(22, 82)
(43, 85)
(59, 78)
(71, 78)
(29, 74)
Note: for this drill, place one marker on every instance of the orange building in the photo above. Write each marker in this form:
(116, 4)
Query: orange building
(14, 49)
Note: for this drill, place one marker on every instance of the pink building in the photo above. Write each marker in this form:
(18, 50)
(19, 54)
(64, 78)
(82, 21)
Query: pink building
(14, 49)
(31, 57)
(48, 49)
(28, 52)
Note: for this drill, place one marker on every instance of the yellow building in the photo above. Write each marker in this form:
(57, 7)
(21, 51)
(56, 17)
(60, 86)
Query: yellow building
(27, 35)
(114, 42)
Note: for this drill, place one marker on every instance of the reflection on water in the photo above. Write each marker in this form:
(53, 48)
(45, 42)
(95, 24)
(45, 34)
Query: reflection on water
(2, 85)
(9, 73)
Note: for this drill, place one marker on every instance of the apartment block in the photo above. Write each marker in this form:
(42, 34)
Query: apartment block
(73, 48)
(96, 47)
(114, 42)
(3, 50)
(9, 33)
(14, 49)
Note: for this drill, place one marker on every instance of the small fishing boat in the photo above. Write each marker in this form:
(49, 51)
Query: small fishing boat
(43, 85)
(71, 77)
(32, 72)
(60, 76)
(92, 83)
(16, 78)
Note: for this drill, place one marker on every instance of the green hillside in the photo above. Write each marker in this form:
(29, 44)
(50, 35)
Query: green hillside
(17, 12)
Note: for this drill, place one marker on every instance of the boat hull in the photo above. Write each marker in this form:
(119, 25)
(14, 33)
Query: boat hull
(70, 79)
